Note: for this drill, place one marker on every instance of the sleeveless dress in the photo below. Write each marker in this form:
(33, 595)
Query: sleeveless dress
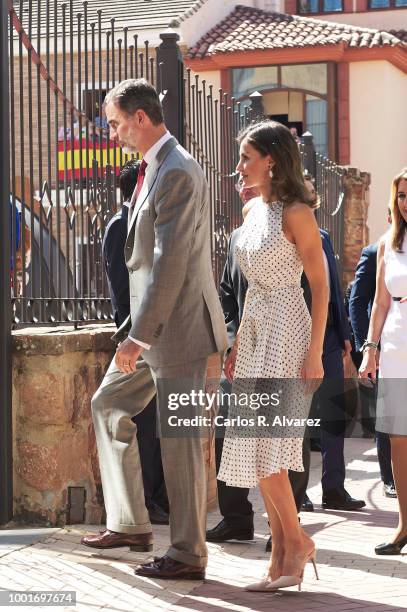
(275, 335)
(392, 384)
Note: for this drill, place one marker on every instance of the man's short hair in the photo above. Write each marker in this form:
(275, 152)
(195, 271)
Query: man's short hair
(308, 176)
(132, 95)
(128, 178)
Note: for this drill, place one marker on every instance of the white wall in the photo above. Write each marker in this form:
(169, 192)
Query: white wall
(276, 6)
(379, 20)
(378, 143)
(212, 77)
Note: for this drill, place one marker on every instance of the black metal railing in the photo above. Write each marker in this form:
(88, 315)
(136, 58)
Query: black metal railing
(64, 167)
(329, 184)
(212, 124)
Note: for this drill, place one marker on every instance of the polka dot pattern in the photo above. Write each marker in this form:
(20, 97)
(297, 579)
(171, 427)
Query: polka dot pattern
(275, 335)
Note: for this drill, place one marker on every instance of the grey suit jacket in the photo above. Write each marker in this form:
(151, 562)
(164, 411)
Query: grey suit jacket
(174, 305)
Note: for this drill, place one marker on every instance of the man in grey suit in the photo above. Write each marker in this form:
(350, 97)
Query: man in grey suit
(175, 323)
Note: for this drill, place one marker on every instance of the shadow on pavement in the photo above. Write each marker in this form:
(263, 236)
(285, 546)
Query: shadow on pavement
(230, 596)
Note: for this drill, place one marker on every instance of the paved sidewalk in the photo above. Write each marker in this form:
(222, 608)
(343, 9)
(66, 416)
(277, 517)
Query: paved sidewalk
(352, 577)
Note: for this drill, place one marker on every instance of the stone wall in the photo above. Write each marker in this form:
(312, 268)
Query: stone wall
(356, 231)
(55, 373)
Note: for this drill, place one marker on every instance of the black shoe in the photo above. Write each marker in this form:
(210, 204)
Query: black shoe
(392, 548)
(389, 490)
(224, 532)
(307, 505)
(157, 515)
(169, 569)
(339, 499)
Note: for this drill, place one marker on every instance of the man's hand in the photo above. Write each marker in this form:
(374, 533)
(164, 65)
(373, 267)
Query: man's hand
(347, 350)
(230, 362)
(127, 354)
(312, 371)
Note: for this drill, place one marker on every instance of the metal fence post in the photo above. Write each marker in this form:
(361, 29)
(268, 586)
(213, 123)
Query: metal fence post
(309, 161)
(171, 69)
(6, 440)
(256, 106)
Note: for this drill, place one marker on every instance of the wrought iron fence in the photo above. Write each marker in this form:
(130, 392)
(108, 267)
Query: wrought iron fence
(64, 167)
(329, 184)
(213, 121)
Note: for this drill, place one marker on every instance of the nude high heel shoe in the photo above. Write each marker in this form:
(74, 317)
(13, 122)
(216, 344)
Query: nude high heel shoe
(265, 585)
(268, 585)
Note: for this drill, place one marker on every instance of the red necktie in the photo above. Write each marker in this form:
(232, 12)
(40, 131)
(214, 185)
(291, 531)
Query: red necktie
(140, 178)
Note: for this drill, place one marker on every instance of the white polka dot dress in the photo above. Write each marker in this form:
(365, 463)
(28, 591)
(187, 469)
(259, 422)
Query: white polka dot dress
(275, 335)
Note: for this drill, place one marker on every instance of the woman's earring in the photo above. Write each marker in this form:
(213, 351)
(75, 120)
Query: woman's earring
(271, 172)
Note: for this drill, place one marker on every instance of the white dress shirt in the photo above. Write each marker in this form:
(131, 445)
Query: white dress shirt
(149, 157)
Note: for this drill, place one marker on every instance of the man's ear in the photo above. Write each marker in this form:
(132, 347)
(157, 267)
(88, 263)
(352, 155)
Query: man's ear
(140, 117)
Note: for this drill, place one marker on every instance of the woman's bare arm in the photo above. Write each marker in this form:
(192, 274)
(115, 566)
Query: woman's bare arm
(301, 228)
(381, 305)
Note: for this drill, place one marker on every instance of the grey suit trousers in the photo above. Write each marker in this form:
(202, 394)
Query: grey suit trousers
(121, 396)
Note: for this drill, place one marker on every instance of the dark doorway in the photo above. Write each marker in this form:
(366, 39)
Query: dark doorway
(290, 124)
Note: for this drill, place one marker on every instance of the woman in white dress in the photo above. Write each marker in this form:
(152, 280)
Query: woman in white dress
(277, 338)
(388, 324)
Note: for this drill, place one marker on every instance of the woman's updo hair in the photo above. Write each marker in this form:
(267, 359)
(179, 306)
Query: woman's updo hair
(273, 138)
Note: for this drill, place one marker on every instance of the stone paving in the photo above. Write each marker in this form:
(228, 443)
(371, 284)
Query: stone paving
(352, 577)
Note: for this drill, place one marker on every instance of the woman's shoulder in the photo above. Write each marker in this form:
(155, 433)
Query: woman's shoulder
(297, 211)
(384, 241)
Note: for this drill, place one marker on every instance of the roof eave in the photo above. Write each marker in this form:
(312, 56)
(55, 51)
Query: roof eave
(397, 55)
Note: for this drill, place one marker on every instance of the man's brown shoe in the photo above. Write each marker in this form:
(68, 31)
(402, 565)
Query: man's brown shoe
(137, 542)
(165, 567)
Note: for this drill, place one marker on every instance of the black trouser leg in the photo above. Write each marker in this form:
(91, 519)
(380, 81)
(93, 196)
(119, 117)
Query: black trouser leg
(330, 396)
(384, 457)
(234, 504)
(150, 456)
(299, 480)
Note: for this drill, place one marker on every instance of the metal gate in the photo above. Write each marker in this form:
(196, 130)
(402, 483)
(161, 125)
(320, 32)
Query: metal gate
(64, 168)
(212, 124)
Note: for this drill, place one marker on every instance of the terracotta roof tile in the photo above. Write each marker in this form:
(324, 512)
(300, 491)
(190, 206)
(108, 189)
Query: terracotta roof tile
(247, 28)
(400, 34)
